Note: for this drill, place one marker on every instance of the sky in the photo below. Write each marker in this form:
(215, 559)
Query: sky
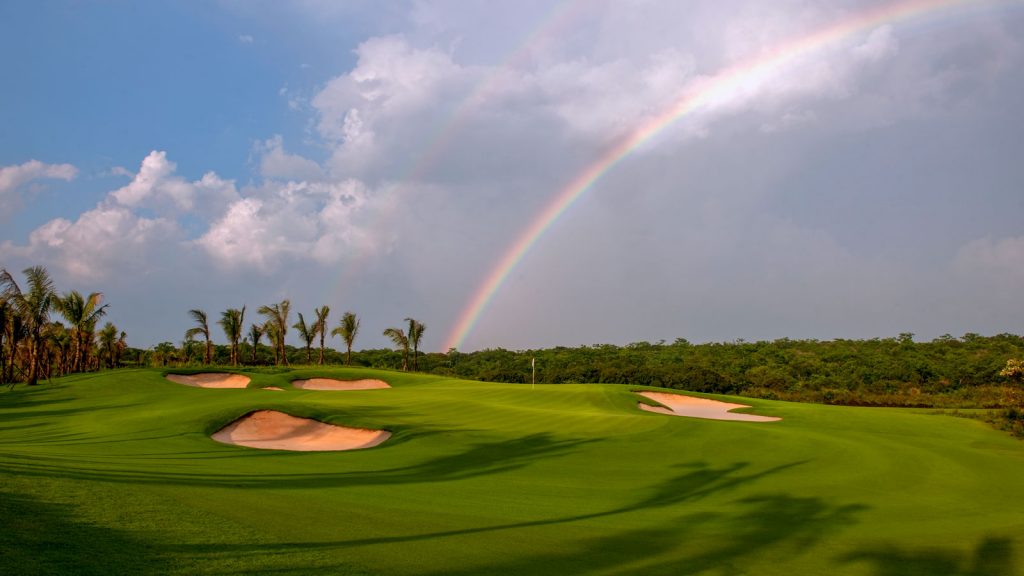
(385, 158)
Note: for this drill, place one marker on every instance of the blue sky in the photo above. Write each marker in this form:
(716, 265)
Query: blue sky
(380, 158)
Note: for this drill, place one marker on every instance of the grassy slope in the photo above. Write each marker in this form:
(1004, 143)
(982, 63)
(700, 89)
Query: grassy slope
(116, 473)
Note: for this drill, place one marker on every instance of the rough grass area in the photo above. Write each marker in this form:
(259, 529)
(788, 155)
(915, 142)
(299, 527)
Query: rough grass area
(116, 473)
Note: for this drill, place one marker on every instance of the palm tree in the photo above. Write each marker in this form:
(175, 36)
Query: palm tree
(59, 342)
(82, 313)
(416, 330)
(232, 321)
(277, 315)
(108, 343)
(274, 335)
(202, 327)
(34, 308)
(185, 354)
(6, 325)
(321, 328)
(122, 345)
(14, 333)
(255, 333)
(347, 329)
(401, 342)
(308, 334)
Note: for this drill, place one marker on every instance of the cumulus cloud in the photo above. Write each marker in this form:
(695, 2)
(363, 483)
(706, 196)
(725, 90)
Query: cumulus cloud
(402, 102)
(157, 186)
(116, 236)
(121, 171)
(106, 240)
(276, 163)
(322, 222)
(12, 178)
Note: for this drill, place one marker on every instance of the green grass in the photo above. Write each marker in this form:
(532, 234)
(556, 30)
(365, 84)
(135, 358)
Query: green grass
(116, 473)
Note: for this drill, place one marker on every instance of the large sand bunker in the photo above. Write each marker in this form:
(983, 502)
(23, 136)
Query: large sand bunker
(332, 384)
(272, 430)
(211, 380)
(679, 405)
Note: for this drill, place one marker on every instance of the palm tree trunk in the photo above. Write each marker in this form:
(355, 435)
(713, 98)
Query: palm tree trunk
(348, 358)
(33, 364)
(84, 362)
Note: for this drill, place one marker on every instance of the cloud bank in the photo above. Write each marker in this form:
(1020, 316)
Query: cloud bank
(862, 189)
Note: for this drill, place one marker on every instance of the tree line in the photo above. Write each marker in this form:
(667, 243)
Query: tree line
(972, 371)
(34, 346)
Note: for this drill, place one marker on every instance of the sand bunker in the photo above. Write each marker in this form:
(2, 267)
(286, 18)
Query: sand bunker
(332, 384)
(274, 388)
(679, 405)
(211, 380)
(272, 430)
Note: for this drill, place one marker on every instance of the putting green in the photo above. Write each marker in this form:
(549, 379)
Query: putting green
(117, 473)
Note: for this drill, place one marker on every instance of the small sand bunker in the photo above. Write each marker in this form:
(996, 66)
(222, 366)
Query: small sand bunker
(679, 405)
(274, 388)
(272, 430)
(211, 380)
(332, 384)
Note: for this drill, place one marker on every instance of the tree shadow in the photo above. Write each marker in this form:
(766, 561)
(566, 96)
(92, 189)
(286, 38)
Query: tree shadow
(993, 556)
(44, 538)
(766, 521)
(479, 459)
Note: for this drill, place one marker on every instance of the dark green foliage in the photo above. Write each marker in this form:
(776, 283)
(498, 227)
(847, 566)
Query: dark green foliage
(946, 372)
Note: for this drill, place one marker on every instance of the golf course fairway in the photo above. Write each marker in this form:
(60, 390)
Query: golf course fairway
(116, 473)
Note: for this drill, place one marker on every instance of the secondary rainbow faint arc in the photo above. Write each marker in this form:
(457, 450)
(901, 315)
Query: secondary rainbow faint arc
(708, 92)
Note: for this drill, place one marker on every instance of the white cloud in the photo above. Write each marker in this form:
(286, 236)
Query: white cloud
(245, 38)
(157, 186)
(391, 79)
(106, 240)
(154, 171)
(276, 163)
(12, 178)
(275, 224)
(298, 221)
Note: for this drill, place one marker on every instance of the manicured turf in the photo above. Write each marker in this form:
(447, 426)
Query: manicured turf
(116, 473)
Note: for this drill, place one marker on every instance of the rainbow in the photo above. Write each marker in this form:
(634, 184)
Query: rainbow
(557, 19)
(709, 92)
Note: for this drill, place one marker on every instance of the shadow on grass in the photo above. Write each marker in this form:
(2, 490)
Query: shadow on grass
(44, 538)
(478, 460)
(991, 557)
(752, 524)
